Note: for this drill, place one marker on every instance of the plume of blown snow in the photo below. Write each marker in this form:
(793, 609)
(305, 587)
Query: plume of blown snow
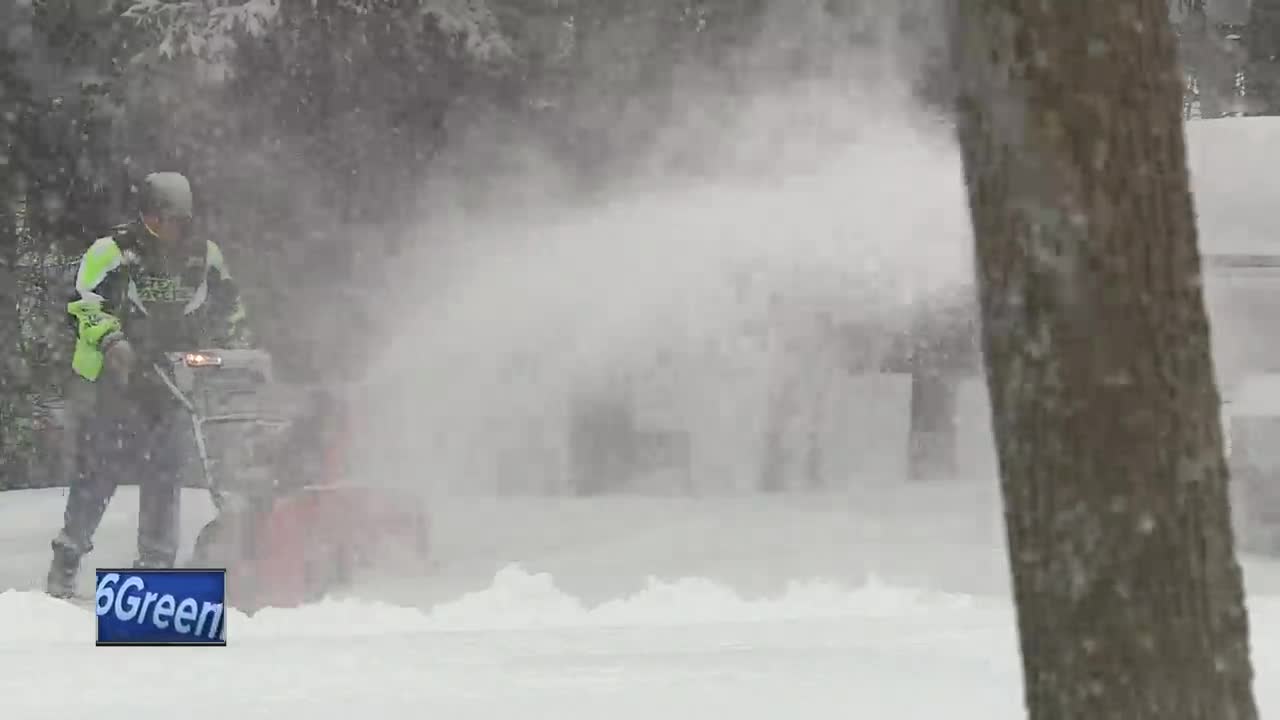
(820, 214)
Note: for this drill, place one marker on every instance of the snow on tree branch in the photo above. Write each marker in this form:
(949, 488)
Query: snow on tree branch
(472, 20)
(203, 29)
(208, 29)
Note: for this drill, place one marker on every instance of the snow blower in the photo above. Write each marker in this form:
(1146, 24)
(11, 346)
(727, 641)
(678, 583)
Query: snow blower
(291, 523)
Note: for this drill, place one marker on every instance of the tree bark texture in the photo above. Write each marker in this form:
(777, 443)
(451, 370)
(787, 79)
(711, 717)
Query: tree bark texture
(1129, 597)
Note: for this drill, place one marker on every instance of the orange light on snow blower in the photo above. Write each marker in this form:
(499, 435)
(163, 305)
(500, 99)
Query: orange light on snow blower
(202, 360)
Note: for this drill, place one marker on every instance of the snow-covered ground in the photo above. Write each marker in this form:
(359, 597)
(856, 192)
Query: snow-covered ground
(891, 604)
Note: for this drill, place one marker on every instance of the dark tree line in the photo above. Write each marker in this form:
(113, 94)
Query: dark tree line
(310, 130)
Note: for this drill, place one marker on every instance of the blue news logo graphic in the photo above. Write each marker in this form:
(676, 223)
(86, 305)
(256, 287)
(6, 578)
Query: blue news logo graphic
(161, 607)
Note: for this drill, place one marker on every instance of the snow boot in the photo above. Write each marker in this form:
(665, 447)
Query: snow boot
(61, 581)
(153, 564)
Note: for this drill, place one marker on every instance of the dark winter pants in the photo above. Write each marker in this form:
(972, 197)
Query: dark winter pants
(119, 443)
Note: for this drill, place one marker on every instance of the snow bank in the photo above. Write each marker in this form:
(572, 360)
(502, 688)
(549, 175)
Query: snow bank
(523, 648)
(35, 617)
(520, 600)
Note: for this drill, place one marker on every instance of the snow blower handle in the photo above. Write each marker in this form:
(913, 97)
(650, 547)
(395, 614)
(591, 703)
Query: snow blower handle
(197, 424)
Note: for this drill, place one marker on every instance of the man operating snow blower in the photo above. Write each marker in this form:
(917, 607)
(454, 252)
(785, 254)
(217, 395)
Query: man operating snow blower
(148, 288)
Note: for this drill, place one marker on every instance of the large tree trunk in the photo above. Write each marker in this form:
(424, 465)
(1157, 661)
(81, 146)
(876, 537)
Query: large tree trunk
(1105, 410)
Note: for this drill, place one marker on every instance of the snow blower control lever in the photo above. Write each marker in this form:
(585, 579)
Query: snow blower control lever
(211, 386)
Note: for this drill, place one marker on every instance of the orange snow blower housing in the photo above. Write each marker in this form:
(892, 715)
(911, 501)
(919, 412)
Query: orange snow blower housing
(324, 531)
(294, 522)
